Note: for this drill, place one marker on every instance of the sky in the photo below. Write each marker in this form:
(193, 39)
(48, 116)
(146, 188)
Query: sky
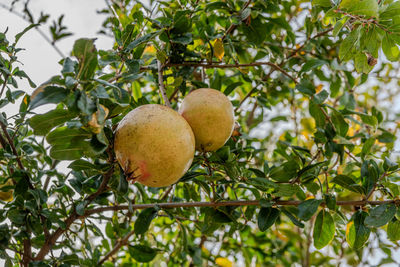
(40, 59)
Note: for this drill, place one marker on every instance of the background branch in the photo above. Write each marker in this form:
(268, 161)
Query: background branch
(48, 40)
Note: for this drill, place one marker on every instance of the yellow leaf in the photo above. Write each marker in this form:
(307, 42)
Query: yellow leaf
(218, 49)
(195, 44)
(223, 262)
(348, 231)
(339, 169)
(310, 197)
(319, 87)
(93, 124)
(6, 196)
(149, 49)
(308, 125)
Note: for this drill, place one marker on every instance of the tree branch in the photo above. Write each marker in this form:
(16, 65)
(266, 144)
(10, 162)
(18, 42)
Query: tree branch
(309, 39)
(226, 66)
(233, 203)
(161, 84)
(74, 216)
(121, 243)
(27, 255)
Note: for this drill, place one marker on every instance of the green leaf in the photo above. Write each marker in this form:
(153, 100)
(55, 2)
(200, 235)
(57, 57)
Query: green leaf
(50, 94)
(340, 124)
(367, 147)
(123, 184)
(16, 216)
(80, 208)
(43, 123)
(63, 135)
(144, 219)
(389, 165)
(143, 39)
(360, 7)
(323, 3)
(391, 10)
(286, 190)
(369, 119)
(80, 165)
(86, 53)
(267, 217)
(393, 230)
(257, 30)
(361, 63)
(324, 229)
(357, 233)
(308, 208)
(183, 39)
(348, 183)
(306, 87)
(317, 114)
(142, 253)
(321, 97)
(372, 40)
(386, 137)
(229, 89)
(390, 48)
(380, 215)
(312, 64)
(285, 172)
(330, 201)
(294, 220)
(19, 35)
(339, 25)
(347, 47)
(68, 151)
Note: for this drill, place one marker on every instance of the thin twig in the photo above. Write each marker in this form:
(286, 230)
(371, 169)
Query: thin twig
(121, 243)
(373, 188)
(161, 84)
(4, 85)
(309, 39)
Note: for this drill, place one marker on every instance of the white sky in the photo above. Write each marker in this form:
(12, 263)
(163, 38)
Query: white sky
(40, 59)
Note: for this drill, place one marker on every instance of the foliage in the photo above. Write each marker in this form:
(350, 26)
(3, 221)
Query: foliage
(312, 163)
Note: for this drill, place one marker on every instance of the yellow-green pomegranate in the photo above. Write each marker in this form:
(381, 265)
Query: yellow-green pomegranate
(154, 145)
(210, 114)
